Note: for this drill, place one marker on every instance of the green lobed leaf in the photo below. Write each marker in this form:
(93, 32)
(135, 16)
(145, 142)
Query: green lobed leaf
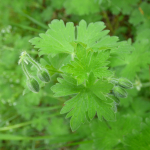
(140, 140)
(90, 98)
(90, 34)
(57, 39)
(76, 7)
(124, 7)
(96, 38)
(86, 62)
(140, 15)
(135, 61)
(108, 135)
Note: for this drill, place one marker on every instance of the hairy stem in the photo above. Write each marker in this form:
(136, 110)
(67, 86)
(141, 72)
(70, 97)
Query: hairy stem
(28, 58)
(25, 70)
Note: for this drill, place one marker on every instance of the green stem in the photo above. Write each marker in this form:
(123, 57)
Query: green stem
(28, 58)
(116, 23)
(25, 70)
(15, 126)
(149, 75)
(146, 84)
(108, 21)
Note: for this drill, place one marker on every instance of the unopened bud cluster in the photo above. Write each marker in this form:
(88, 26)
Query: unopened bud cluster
(42, 73)
(119, 89)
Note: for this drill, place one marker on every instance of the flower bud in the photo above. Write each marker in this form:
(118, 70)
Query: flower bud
(114, 81)
(119, 92)
(43, 75)
(116, 99)
(125, 83)
(33, 85)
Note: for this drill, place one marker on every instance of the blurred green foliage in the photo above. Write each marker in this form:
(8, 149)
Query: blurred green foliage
(30, 121)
